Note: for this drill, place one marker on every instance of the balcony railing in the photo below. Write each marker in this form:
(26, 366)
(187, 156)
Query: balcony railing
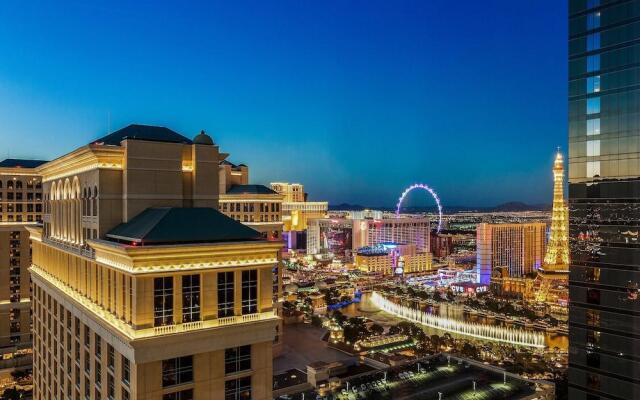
(190, 326)
(72, 248)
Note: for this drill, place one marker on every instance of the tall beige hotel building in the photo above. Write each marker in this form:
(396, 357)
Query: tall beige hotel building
(142, 289)
(20, 205)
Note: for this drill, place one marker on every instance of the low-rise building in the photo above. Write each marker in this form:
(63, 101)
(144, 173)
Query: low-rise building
(392, 259)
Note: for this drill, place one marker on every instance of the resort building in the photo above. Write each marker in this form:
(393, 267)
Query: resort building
(519, 247)
(296, 210)
(20, 205)
(142, 289)
(392, 259)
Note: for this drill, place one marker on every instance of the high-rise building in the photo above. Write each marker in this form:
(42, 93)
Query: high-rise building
(296, 210)
(292, 192)
(604, 188)
(20, 205)
(519, 247)
(142, 289)
(256, 206)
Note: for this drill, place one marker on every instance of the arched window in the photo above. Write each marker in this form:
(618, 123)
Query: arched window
(95, 201)
(0, 184)
(9, 184)
(18, 184)
(85, 203)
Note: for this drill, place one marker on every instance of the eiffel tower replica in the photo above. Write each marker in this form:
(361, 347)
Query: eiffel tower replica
(553, 275)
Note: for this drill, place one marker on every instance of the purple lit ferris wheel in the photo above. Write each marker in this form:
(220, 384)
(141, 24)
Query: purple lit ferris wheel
(426, 188)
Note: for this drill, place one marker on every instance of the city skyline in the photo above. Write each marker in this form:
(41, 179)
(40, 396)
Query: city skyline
(315, 85)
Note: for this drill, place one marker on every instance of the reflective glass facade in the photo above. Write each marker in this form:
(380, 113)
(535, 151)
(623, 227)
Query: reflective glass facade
(604, 199)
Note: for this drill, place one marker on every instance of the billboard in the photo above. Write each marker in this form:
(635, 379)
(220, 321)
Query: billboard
(336, 237)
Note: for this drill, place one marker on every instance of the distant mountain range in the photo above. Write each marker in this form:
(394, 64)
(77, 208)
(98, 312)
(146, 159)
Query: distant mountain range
(512, 206)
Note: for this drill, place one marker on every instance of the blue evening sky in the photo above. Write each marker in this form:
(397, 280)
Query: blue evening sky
(354, 99)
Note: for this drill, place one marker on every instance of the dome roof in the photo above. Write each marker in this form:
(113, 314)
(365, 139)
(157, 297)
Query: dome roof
(203, 138)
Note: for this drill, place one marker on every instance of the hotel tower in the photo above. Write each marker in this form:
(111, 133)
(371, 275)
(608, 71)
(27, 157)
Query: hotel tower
(604, 205)
(20, 206)
(142, 289)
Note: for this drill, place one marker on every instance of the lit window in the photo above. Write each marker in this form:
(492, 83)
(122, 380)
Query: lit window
(163, 301)
(593, 84)
(190, 298)
(249, 292)
(593, 126)
(593, 41)
(593, 63)
(593, 148)
(593, 20)
(593, 105)
(593, 169)
(225, 294)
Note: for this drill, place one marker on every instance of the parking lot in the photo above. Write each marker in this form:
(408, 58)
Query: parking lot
(438, 379)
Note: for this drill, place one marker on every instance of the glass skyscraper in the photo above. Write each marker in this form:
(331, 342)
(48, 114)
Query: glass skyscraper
(604, 199)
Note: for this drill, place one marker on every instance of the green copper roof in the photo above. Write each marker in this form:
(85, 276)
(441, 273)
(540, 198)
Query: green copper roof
(19, 163)
(250, 189)
(167, 225)
(143, 132)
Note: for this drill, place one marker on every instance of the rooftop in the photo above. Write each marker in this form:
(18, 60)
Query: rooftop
(226, 162)
(143, 132)
(250, 189)
(18, 163)
(172, 225)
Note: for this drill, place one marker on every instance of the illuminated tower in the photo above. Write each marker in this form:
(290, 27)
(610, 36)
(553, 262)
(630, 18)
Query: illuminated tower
(556, 260)
(553, 276)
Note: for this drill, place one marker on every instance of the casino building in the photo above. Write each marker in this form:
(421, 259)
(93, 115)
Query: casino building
(142, 289)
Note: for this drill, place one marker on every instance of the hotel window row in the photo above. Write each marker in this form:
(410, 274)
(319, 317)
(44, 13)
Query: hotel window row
(16, 184)
(252, 211)
(163, 296)
(180, 372)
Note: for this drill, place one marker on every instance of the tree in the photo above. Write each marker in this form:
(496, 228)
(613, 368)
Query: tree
(394, 330)
(12, 394)
(376, 329)
(436, 342)
(470, 350)
(316, 321)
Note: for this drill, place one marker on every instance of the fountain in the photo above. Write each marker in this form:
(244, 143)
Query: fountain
(513, 336)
